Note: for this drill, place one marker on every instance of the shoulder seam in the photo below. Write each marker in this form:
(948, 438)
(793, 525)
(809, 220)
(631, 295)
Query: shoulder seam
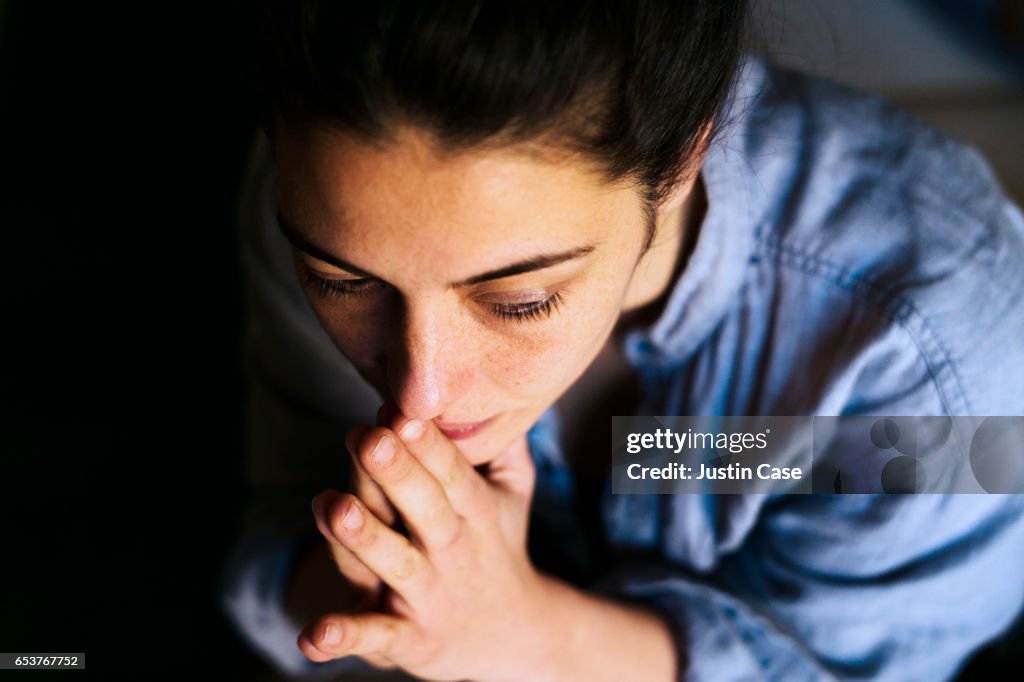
(890, 304)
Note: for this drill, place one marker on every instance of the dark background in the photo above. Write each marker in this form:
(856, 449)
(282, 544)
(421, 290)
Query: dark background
(124, 135)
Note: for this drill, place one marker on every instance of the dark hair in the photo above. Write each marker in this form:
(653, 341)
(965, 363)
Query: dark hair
(629, 84)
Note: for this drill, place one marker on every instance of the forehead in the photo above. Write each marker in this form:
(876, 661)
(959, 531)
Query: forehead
(348, 175)
(408, 195)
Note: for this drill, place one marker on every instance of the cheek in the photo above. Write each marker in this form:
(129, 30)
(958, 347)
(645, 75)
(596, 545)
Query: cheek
(529, 359)
(526, 367)
(547, 362)
(359, 341)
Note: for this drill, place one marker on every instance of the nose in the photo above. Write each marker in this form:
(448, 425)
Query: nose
(428, 368)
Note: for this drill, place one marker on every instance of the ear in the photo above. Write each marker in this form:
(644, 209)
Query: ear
(690, 172)
(680, 193)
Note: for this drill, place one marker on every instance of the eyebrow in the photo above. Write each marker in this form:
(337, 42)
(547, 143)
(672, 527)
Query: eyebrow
(538, 262)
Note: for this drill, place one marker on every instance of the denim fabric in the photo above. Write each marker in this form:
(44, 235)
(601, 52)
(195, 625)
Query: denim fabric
(852, 261)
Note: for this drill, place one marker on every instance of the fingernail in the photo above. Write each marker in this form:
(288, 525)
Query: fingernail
(384, 451)
(353, 517)
(332, 634)
(412, 430)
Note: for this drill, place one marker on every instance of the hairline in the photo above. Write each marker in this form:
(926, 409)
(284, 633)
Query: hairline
(544, 147)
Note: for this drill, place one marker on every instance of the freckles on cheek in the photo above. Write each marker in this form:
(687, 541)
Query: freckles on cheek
(360, 345)
(531, 365)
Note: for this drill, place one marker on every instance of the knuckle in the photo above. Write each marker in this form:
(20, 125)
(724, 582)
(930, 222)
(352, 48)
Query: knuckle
(436, 513)
(426, 649)
(390, 633)
(399, 468)
(451, 536)
(454, 473)
(385, 640)
(379, 662)
(407, 564)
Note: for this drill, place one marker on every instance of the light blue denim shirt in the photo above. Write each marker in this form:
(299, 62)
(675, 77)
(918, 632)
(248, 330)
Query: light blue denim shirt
(852, 261)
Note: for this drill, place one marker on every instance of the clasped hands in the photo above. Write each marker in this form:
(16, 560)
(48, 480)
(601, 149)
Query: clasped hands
(458, 598)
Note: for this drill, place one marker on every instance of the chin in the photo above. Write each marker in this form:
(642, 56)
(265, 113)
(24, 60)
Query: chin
(478, 453)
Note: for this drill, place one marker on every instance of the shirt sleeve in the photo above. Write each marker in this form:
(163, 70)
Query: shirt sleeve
(302, 397)
(873, 587)
(854, 586)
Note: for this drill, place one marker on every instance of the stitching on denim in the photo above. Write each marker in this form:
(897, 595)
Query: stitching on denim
(885, 301)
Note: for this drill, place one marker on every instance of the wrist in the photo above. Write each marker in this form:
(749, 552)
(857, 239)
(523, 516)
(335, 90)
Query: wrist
(576, 635)
(548, 635)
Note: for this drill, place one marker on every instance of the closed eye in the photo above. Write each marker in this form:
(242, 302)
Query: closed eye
(331, 288)
(521, 312)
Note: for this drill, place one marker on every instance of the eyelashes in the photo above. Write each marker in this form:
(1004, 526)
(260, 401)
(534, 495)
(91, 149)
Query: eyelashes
(521, 312)
(332, 288)
(512, 312)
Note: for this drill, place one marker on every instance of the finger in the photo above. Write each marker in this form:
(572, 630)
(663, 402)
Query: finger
(412, 489)
(380, 662)
(383, 637)
(325, 512)
(463, 485)
(390, 555)
(362, 484)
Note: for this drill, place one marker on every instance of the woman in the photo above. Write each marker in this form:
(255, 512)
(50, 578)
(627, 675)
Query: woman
(515, 222)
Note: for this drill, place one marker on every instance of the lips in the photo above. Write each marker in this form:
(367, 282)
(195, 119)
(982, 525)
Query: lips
(460, 431)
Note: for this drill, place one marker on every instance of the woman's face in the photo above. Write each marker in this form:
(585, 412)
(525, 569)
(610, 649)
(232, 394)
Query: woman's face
(472, 289)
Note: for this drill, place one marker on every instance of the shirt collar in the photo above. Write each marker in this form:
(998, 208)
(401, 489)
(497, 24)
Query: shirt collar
(707, 287)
